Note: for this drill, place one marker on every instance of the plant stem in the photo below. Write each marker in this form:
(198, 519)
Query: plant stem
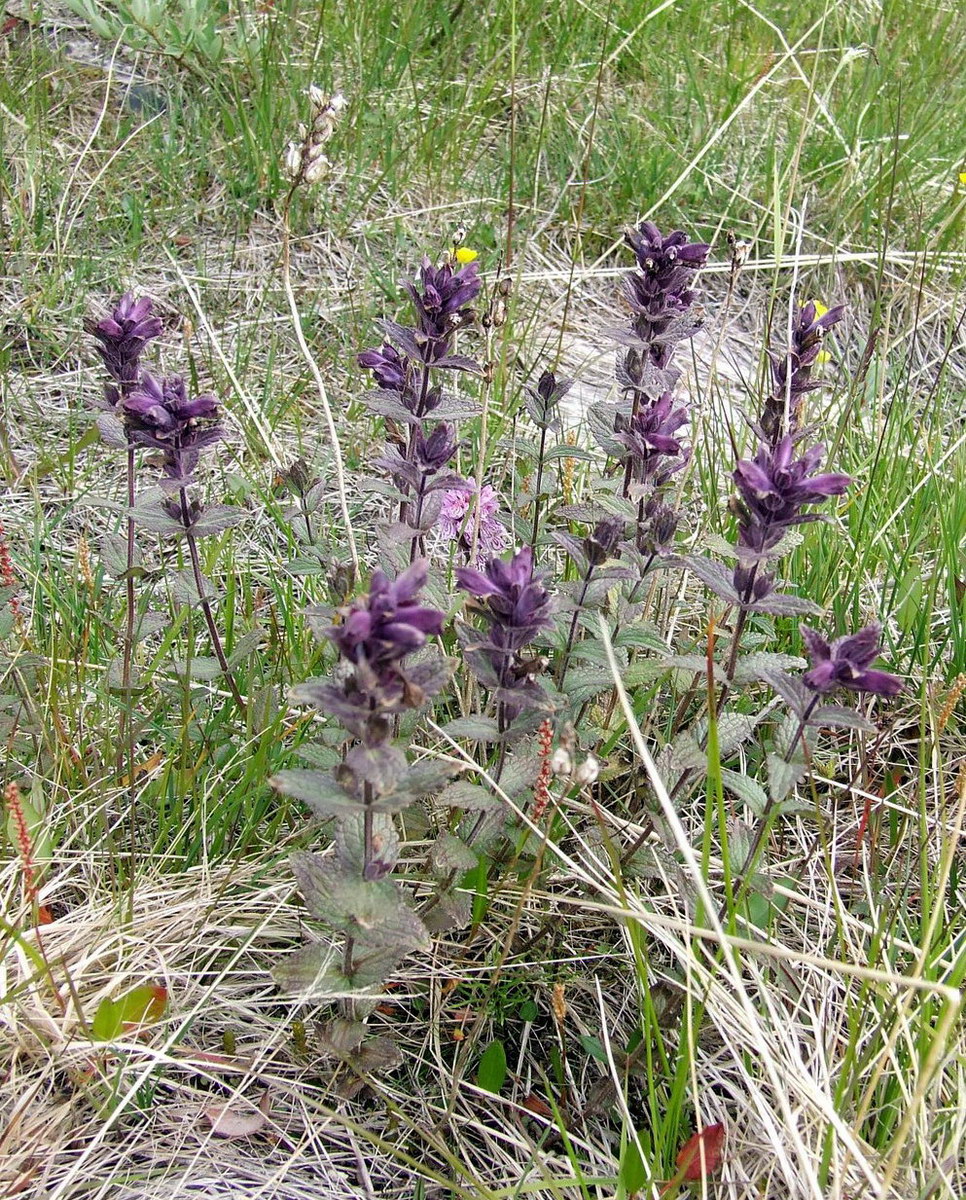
(206, 605)
(536, 498)
(125, 733)
(572, 632)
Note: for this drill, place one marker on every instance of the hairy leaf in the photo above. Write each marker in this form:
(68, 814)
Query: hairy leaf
(783, 775)
(748, 790)
(780, 604)
(319, 791)
(215, 519)
(372, 910)
(480, 729)
(713, 575)
(380, 766)
(763, 665)
(448, 854)
(349, 841)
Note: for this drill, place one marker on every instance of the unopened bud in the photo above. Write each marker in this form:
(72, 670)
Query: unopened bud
(587, 772)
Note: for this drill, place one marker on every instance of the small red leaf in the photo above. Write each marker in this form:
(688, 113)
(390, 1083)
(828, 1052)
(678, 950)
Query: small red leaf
(690, 1163)
(534, 1104)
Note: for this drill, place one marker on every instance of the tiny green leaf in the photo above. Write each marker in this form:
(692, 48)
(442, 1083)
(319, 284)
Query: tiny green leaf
(491, 1073)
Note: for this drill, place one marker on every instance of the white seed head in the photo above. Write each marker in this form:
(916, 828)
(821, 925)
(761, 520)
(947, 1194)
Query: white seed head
(317, 169)
(560, 762)
(318, 98)
(587, 772)
(292, 161)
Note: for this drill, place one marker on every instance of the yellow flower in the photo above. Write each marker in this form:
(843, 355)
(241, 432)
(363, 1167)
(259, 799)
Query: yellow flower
(820, 308)
(823, 356)
(464, 255)
(962, 178)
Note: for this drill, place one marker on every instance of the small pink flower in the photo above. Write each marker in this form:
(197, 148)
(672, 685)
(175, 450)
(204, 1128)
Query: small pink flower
(458, 516)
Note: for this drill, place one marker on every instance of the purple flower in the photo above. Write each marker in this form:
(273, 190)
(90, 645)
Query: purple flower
(603, 541)
(516, 604)
(661, 292)
(649, 438)
(391, 370)
(383, 627)
(121, 337)
(441, 295)
(434, 452)
(159, 413)
(775, 486)
(845, 664)
(457, 517)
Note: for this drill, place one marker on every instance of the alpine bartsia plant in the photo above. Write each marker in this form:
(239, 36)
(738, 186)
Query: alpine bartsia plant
(515, 608)
(845, 664)
(643, 431)
(542, 404)
(377, 680)
(160, 415)
(121, 338)
(791, 372)
(777, 489)
(404, 368)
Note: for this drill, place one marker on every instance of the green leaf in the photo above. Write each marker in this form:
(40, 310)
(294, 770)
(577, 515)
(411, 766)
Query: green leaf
(749, 791)
(204, 667)
(491, 1073)
(318, 790)
(470, 796)
(362, 908)
(310, 970)
(184, 588)
(451, 854)
(783, 775)
(380, 766)
(350, 838)
(641, 636)
(633, 1173)
(215, 519)
(143, 1005)
(106, 1025)
(758, 666)
(593, 1047)
(479, 729)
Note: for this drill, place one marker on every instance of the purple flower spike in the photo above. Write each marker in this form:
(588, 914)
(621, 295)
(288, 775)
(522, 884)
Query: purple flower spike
(516, 607)
(791, 372)
(159, 414)
(388, 623)
(517, 604)
(441, 295)
(845, 663)
(387, 365)
(650, 438)
(122, 336)
(776, 486)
